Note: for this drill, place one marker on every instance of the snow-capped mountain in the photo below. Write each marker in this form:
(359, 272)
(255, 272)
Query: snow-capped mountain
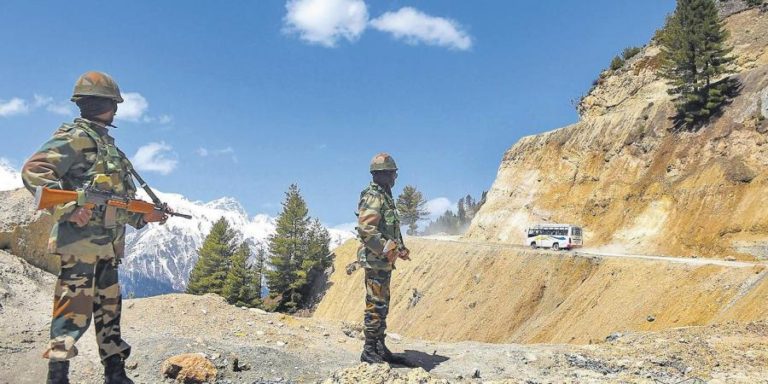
(9, 178)
(159, 257)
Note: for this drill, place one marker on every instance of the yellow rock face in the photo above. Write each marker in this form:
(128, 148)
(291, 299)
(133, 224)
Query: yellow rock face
(504, 294)
(632, 183)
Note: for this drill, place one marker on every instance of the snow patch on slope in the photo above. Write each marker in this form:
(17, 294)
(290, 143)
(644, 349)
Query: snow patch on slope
(10, 178)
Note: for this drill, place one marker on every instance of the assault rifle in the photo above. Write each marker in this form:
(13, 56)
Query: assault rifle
(91, 197)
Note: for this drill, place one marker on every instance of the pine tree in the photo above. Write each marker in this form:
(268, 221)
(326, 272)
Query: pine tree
(210, 270)
(258, 268)
(289, 246)
(462, 211)
(317, 249)
(456, 223)
(410, 205)
(694, 56)
(447, 224)
(470, 204)
(241, 286)
(316, 259)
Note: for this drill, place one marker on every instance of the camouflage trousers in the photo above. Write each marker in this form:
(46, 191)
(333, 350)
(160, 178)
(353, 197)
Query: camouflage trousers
(376, 302)
(87, 288)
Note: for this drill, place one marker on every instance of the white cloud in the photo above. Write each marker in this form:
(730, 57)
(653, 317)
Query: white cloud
(437, 207)
(325, 22)
(60, 108)
(132, 108)
(15, 106)
(164, 119)
(41, 101)
(225, 151)
(228, 151)
(63, 109)
(414, 27)
(155, 157)
(10, 178)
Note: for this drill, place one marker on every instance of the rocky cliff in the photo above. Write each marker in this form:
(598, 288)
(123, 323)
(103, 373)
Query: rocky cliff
(632, 183)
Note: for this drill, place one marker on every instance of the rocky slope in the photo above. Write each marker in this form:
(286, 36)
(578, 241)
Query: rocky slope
(460, 290)
(275, 348)
(634, 185)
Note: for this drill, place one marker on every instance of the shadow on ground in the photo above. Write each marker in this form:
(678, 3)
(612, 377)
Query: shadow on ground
(423, 360)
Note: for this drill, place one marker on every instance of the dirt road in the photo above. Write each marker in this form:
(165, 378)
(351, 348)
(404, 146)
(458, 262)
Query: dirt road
(601, 252)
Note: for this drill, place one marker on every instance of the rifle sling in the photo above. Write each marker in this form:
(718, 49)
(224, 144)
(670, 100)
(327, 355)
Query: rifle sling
(144, 185)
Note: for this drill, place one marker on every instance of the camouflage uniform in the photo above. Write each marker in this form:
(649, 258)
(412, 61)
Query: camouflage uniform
(78, 155)
(378, 222)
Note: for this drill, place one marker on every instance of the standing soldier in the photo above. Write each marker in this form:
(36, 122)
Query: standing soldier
(381, 244)
(89, 242)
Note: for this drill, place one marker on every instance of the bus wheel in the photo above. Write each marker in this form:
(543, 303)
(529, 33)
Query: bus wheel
(533, 245)
(555, 247)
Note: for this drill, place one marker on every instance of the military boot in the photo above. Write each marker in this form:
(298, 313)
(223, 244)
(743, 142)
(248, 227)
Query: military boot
(387, 355)
(58, 372)
(370, 355)
(114, 371)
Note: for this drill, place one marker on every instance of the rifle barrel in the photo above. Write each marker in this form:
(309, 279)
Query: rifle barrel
(181, 215)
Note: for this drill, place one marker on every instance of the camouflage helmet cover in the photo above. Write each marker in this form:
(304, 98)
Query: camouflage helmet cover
(383, 162)
(96, 84)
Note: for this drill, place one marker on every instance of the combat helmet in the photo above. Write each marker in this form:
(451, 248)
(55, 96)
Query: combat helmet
(96, 84)
(383, 162)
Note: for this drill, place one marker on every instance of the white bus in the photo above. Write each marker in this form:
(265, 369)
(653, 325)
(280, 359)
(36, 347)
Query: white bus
(555, 236)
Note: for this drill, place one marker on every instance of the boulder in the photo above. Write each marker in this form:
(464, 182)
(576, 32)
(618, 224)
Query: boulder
(189, 368)
(24, 231)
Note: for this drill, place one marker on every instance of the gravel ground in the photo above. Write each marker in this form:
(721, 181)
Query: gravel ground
(283, 349)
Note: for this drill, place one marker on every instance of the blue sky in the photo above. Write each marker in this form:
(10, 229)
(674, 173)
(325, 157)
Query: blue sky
(243, 98)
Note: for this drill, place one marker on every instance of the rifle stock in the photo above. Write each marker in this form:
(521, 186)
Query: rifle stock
(46, 198)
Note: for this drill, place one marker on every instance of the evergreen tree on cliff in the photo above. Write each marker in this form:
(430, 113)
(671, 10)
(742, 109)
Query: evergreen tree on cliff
(210, 270)
(242, 285)
(298, 247)
(316, 260)
(694, 58)
(410, 205)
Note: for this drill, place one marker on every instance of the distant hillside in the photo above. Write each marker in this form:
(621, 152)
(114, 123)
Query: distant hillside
(634, 185)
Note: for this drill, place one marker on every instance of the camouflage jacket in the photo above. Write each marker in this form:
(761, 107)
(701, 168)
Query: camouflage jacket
(377, 222)
(79, 155)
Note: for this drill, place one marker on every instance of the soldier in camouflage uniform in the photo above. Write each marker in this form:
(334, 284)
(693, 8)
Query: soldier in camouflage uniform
(90, 243)
(381, 244)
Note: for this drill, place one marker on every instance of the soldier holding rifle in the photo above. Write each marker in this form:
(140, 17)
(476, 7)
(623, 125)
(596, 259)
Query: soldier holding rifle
(89, 238)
